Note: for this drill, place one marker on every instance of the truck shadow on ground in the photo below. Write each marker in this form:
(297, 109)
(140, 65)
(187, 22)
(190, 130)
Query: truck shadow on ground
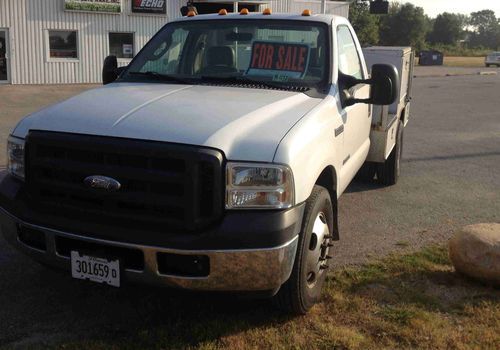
(178, 317)
(62, 309)
(363, 186)
(45, 307)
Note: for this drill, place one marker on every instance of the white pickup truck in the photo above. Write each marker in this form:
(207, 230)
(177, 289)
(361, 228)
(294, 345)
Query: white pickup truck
(213, 161)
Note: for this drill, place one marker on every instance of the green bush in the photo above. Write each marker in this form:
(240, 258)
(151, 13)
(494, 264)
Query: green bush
(460, 51)
(75, 6)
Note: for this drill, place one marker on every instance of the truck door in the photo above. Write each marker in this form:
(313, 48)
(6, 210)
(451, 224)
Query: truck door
(355, 117)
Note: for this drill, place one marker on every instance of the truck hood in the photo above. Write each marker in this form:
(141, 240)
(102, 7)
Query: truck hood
(245, 123)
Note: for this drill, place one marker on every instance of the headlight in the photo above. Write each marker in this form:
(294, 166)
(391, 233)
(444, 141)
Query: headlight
(15, 157)
(259, 186)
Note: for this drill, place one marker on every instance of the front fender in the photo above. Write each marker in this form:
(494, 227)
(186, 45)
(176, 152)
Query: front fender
(311, 146)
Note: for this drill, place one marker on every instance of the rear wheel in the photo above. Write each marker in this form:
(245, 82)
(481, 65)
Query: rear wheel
(388, 172)
(299, 294)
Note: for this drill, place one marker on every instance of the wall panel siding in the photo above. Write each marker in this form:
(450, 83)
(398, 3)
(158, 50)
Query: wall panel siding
(28, 22)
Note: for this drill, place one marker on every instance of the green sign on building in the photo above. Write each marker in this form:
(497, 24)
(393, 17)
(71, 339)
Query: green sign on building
(114, 6)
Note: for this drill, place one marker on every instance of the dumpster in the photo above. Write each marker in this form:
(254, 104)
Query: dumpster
(431, 58)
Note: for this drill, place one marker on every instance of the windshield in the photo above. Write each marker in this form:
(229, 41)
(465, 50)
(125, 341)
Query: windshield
(281, 53)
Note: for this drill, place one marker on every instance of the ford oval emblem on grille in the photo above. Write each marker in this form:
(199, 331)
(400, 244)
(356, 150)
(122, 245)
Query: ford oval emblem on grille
(100, 182)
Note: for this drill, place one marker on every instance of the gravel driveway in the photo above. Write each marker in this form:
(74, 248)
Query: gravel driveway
(450, 177)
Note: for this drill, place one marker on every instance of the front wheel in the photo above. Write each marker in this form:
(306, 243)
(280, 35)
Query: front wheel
(299, 294)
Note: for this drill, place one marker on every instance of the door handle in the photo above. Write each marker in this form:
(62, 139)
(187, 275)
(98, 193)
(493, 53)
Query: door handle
(339, 130)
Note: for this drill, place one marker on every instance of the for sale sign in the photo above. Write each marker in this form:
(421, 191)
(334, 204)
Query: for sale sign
(149, 6)
(280, 60)
(94, 5)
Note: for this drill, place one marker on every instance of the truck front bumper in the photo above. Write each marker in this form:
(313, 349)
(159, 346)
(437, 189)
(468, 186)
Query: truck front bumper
(237, 267)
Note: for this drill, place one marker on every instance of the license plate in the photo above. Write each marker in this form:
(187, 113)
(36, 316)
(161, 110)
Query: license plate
(99, 270)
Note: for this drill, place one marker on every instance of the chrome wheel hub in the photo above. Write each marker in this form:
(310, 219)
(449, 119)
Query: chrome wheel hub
(319, 247)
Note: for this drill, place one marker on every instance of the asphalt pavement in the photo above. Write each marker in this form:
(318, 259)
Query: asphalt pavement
(450, 177)
(450, 172)
(440, 71)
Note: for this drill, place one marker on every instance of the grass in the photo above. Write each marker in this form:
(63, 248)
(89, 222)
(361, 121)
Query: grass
(404, 301)
(467, 62)
(464, 61)
(461, 51)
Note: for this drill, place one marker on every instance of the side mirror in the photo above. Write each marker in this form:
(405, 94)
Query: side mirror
(384, 85)
(109, 70)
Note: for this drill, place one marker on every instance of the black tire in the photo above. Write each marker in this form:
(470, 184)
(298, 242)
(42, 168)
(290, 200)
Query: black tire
(487, 66)
(367, 172)
(388, 172)
(303, 289)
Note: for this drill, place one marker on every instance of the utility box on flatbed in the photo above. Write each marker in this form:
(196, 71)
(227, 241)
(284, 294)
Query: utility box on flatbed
(384, 118)
(403, 59)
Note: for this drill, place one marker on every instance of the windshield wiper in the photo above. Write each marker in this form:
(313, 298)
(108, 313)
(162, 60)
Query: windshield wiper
(160, 76)
(248, 81)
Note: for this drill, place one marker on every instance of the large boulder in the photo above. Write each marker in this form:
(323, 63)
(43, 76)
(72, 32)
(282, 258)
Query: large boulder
(475, 252)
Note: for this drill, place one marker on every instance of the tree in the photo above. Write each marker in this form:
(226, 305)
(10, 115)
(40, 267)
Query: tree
(486, 29)
(367, 26)
(404, 25)
(447, 28)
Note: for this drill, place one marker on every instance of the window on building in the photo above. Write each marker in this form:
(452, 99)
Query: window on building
(121, 45)
(63, 44)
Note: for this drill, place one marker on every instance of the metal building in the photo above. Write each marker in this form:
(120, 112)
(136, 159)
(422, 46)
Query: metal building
(66, 41)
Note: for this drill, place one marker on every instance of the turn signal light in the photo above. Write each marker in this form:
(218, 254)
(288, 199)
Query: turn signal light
(191, 13)
(222, 12)
(266, 11)
(306, 12)
(244, 11)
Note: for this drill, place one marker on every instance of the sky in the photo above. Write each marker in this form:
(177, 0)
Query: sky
(435, 7)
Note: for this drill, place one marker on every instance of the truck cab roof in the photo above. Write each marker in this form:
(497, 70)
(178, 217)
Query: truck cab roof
(322, 18)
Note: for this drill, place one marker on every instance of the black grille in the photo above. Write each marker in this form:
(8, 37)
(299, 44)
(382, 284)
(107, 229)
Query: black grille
(163, 185)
